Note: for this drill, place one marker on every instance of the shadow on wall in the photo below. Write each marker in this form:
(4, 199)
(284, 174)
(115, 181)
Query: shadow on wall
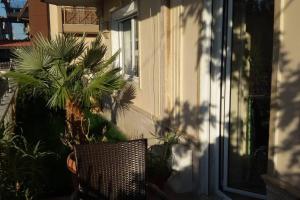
(185, 121)
(286, 106)
(184, 117)
(119, 102)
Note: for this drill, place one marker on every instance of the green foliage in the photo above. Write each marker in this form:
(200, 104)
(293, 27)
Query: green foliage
(99, 130)
(65, 68)
(20, 167)
(102, 130)
(37, 122)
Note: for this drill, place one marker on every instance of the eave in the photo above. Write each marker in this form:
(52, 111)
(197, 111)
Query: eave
(92, 3)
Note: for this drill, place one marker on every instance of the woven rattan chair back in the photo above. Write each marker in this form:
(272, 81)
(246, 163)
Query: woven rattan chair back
(117, 170)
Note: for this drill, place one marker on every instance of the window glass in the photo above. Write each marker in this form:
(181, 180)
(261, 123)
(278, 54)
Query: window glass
(127, 46)
(136, 48)
(251, 68)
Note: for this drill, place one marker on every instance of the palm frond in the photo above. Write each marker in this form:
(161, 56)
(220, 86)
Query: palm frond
(58, 73)
(125, 97)
(59, 98)
(66, 48)
(26, 79)
(30, 60)
(94, 54)
(103, 83)
(107, 63)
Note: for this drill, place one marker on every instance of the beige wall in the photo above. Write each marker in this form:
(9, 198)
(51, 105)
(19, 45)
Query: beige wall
(285, 115)
(148, 101)
(169, 57)
(55, 20)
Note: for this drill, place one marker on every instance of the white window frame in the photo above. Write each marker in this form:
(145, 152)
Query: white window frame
(125, 13)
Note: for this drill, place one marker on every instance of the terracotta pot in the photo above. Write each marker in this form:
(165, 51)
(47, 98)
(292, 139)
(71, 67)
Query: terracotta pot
(71, 163)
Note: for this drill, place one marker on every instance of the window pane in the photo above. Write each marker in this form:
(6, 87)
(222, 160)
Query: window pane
(127, 46)
(250, 93)
(136, 48)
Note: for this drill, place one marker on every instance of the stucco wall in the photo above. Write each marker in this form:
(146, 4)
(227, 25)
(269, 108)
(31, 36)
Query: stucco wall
(169, 55)
(55, 20)
(285, 115)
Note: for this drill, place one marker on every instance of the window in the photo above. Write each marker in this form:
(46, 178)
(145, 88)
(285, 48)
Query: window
(129, 56)
(248, 75)
(125, 38)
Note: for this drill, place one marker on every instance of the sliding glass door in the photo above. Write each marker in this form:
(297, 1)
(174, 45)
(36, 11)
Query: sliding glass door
(247, 76)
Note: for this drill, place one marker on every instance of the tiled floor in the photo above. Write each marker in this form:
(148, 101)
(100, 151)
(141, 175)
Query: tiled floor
(171, 196)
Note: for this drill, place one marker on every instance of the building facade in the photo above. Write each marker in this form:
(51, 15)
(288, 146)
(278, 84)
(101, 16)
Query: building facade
(224, 73)
(36, 14)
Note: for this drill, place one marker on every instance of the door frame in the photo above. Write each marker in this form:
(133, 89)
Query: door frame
(225, 106)
(222, 11)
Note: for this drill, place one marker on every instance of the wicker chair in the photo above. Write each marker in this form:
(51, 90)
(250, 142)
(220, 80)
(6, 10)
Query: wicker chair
(112, 171)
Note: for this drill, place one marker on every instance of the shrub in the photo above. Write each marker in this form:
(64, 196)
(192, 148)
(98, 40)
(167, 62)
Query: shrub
(20, 167)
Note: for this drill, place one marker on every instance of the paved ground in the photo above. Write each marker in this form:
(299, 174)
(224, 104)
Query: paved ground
(170, 196)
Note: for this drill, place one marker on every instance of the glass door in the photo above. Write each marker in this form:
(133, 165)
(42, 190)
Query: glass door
(247, 96)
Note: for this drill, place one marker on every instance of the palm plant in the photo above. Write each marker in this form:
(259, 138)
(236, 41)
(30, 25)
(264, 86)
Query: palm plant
(70, 74)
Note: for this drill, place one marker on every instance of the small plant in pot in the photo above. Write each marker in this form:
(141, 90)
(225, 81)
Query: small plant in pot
(71, 76)
(159, 158)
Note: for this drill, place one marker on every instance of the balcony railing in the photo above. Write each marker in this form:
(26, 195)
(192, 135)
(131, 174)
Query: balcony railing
(7, 95)
(80, 16)
(5, 66)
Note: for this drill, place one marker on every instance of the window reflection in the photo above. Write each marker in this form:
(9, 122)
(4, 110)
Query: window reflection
(252, 45)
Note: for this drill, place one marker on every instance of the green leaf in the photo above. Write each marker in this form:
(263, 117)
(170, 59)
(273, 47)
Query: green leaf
(30, 60)
(25, 79)
(103, 65)
(66, 47)
(94, 54)
(104, 83)
(59, 98)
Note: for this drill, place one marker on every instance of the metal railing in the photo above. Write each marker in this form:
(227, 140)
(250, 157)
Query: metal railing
(7, 107)
(7, 66)
(75, 15)
(7, 95)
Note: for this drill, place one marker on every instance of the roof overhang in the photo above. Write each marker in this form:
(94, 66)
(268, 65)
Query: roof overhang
(14, 44)
(92, 3)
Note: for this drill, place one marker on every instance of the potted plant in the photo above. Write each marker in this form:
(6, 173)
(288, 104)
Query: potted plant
(159, 158)
(71, 76)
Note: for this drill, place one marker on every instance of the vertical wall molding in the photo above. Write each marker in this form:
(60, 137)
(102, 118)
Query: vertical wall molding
(175, 52)
(204, 93)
